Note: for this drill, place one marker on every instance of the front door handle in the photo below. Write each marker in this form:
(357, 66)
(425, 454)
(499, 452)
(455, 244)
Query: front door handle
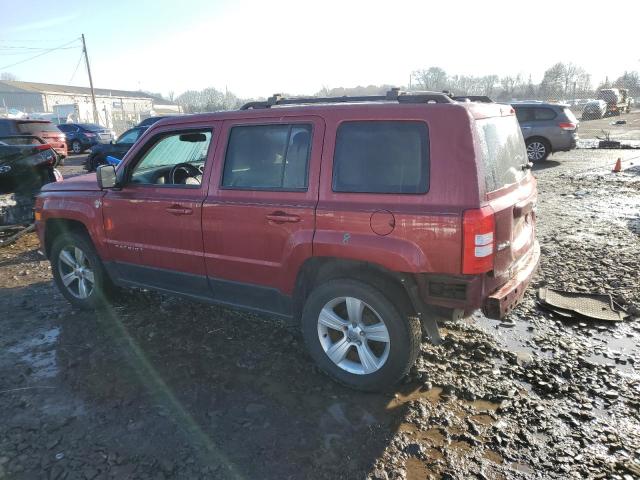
(179, 210)
(282, 217)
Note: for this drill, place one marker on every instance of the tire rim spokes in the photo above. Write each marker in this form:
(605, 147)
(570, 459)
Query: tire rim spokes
(76, 272)
(353, 335)
(536, 151)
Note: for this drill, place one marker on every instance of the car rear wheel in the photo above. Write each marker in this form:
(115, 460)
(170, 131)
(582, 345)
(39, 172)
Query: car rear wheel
(537, 149)
(78, 271)
(76, 147)
(358, 336)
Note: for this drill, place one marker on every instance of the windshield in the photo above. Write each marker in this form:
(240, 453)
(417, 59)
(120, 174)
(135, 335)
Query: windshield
(502, 150)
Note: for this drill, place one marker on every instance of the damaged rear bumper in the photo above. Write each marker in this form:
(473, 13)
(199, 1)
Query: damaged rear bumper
(502, 301)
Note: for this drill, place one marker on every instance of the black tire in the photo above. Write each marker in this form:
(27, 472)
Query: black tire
(404, 335)
(538, 149)
(76, 147)
(102, 286)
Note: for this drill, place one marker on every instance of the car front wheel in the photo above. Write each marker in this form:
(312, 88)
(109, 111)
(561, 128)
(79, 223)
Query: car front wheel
(537, 150)
(78, 271)
(358, 336)
(76, 147)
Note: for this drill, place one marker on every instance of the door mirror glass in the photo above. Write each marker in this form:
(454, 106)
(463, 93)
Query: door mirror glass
(106, 176)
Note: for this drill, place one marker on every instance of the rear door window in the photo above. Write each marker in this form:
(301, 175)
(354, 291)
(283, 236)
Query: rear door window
(381, 157)
(502, 150)
(268, 157)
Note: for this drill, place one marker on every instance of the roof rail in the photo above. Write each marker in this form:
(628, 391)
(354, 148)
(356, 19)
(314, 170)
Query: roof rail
(393, 95)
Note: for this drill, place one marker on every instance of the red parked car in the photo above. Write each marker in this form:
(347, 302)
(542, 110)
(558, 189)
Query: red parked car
(43, 129)
(364, 217)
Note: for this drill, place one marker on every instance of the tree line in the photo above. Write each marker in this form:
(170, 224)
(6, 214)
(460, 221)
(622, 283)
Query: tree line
(561, 81)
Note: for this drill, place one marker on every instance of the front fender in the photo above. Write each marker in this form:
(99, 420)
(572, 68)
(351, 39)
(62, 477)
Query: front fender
(82, 207)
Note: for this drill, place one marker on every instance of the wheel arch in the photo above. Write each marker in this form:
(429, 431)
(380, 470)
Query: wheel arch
(54, 227)
(317, 270)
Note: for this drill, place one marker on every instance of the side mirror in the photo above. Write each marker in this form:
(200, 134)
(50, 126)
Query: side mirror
(106, 176)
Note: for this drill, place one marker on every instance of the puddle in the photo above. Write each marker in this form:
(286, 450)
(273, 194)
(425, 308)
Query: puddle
(482, 419)
(39, 353)
(432, 396)
(432, 436)
(416, 470)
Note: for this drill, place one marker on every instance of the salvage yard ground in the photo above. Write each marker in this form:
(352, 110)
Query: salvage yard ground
(158, 387)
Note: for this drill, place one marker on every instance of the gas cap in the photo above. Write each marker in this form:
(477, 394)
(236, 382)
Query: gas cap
(382, 222)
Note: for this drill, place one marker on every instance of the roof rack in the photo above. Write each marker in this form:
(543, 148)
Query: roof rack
(393, 95)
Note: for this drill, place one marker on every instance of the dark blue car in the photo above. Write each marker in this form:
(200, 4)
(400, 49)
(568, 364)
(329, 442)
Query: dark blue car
(81, 136)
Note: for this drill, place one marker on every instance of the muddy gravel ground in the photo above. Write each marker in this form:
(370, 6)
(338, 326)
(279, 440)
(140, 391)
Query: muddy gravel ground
(158, 387)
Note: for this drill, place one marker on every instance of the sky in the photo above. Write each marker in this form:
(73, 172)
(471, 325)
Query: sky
(257, 48)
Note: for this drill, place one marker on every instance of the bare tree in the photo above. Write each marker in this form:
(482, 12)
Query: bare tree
(433, 78)
(8, 76)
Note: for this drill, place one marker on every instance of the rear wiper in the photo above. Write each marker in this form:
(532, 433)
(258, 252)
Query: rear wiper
(526, 166)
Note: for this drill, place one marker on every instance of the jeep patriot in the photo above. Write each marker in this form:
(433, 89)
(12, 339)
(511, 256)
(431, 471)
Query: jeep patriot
(365, 218)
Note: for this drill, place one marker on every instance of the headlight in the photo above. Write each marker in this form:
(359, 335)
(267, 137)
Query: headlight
(5, 168)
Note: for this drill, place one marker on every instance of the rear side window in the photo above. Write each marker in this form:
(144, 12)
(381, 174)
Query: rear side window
(381, 157)
(544, 114)
(502, 150)
(524, 114)
(269, 157)
(33, 128)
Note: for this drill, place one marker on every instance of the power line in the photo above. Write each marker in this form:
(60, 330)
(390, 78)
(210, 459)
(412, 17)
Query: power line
(77, 65)
(39, 49)
(38, 55)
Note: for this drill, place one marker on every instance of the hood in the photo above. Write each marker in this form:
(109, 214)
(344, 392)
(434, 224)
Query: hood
(85, 183)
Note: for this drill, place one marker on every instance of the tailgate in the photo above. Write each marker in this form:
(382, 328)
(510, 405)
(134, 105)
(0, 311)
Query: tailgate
(510, 190)
(515, 225)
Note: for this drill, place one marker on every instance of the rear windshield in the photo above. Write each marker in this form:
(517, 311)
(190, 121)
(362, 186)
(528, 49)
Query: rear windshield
(33, 128)
(502, 150)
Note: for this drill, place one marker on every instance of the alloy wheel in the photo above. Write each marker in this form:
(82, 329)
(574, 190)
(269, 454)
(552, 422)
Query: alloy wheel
(75, 272)
(353, 335)
(76, 147)
(536, 151)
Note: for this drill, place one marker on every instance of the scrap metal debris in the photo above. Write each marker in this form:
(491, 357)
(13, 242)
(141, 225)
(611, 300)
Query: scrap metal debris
(576, 304)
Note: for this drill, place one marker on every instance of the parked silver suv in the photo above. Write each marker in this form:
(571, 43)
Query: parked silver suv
(546, 128)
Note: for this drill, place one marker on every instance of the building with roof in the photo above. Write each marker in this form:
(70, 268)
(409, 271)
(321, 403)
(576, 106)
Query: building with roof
(117, 109)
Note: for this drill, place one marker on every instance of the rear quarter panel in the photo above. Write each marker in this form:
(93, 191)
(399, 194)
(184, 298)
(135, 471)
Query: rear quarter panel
(427, 235)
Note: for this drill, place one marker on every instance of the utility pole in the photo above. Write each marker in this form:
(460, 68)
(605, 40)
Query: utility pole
(93, 95)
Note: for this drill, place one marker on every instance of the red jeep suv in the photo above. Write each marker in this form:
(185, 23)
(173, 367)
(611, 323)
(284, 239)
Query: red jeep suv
(364, 217)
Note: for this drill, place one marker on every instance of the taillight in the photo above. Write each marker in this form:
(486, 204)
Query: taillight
(90, 134)
(478, 237)
(567, 126)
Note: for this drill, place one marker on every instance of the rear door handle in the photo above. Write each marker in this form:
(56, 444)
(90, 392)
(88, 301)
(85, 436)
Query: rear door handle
(179, 210)
(282, 217)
